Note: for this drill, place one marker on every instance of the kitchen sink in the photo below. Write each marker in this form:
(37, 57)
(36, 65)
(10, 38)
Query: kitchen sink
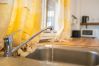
(78, 57)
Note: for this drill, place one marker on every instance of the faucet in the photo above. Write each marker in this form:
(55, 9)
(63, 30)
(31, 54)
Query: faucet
(8, 43)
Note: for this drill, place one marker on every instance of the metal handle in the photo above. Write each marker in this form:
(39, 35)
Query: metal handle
(8, 46)
(8, 43)
(24, 43)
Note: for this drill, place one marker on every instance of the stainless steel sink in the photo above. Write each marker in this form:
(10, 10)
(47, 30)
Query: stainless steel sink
(70, 55)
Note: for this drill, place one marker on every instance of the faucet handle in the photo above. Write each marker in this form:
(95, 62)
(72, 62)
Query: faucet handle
(8, 46)
(50, 27)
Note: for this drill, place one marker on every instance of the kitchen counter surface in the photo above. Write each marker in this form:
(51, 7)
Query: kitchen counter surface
(86, 43)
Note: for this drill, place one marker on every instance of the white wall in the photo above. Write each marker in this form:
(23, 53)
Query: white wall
(75, 10)
(86, 7)
(90, 8)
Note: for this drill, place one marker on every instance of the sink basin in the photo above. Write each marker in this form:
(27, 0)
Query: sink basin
(79, 57)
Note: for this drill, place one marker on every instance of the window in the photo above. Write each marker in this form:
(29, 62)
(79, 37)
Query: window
(51, 18)
(49, 13)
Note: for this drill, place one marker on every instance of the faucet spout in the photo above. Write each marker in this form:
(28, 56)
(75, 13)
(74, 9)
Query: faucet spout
(8, 43)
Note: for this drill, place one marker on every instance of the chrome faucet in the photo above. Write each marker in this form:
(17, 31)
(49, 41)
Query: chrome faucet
(8, 43)
(8, 46)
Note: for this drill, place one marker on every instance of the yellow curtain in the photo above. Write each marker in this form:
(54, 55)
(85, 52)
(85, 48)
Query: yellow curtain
(5, 14)
(25, 20)
(64, 20)
(17, 23)
(33, 22)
